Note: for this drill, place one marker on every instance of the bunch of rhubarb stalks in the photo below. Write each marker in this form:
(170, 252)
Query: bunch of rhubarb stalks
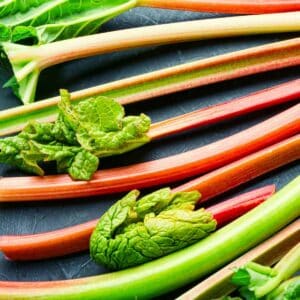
(154, 243)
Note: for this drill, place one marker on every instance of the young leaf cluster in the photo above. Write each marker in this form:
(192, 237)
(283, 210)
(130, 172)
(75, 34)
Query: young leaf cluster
(133, 232)
(261, 282)
(81, 135)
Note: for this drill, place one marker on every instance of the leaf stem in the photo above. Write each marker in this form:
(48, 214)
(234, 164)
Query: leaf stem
(226, 6)
(282, 93)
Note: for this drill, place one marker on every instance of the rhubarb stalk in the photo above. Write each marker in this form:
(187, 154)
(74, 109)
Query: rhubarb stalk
(226, 6)
(76, 238)
(165, 170)
(170, 80)
(28, 61)
(164, 274)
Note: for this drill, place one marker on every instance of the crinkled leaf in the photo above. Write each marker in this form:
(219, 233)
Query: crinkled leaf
(101, 127)
(81, 135)
(28, 154)
(19, 152)
(39, 132)
(84, 165)
(133, 232)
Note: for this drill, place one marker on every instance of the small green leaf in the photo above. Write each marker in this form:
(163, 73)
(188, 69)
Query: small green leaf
(133, 232)
(100, 126)
(5, 33)
(241, 277)
(22, 33)
(83, 166)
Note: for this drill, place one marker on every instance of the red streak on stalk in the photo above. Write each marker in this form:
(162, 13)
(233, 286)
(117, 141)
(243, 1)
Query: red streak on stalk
(157, 172)
(227, 6)
(229, 210)
(76, 238)
(245, 169)
(283, 93)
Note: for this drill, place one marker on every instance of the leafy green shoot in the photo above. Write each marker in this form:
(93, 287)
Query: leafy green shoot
(81, 135)
(257, 281)
(133, 232)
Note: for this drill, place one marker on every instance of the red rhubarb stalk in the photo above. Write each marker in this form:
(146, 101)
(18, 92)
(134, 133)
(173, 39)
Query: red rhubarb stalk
(76, 238)
(226, 6)
(245, 169)
(227, 211)
(161, 171)
(283, 93)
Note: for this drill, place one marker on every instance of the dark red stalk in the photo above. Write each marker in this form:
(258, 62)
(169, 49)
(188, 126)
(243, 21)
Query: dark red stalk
(226, 211)
(76, 238)
(161, 171)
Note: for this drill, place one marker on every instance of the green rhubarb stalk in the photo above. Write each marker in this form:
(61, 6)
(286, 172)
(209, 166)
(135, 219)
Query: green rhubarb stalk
(165, 81)
(28, 61)
(268, 253)
(178, 269)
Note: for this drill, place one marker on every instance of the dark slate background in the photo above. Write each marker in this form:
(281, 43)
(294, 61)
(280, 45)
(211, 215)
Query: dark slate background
(22, 218)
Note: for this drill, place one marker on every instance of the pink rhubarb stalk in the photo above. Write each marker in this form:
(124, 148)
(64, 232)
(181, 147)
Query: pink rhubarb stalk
(161, 171)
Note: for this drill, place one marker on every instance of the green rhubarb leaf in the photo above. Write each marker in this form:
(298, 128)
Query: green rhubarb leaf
(5, 33)
(19, 152)
(257, 281)
(101, 126)
(81, 135)
(59, 19)
(133, 232)
(28, 154)
(39, 132)
(24, 33)
(251, 277)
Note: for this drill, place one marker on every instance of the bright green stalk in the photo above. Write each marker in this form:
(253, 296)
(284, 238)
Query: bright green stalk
(28, 61)
(205, 71)
(178, 269)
